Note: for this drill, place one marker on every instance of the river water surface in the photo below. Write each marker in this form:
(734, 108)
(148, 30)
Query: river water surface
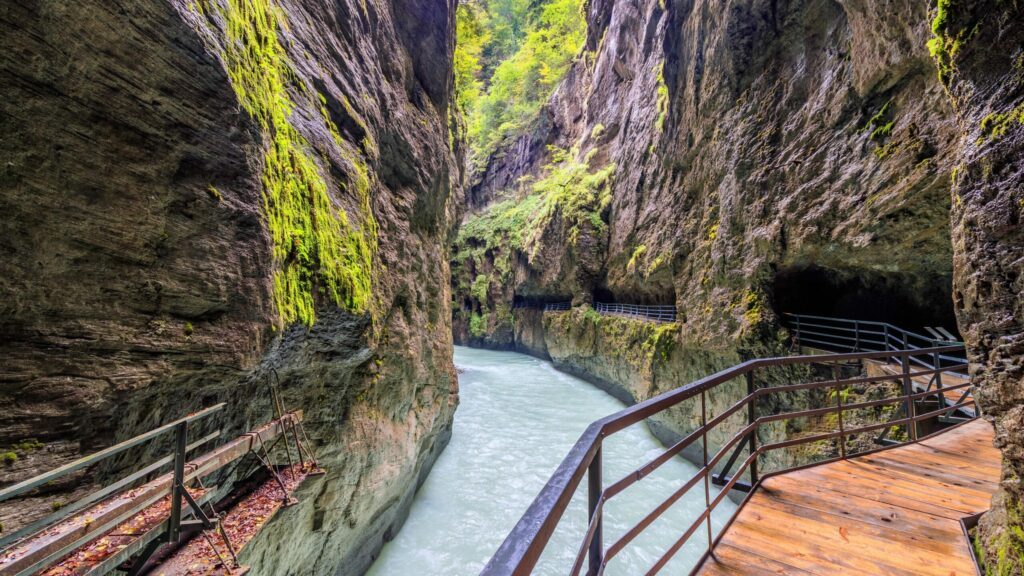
(517, 419)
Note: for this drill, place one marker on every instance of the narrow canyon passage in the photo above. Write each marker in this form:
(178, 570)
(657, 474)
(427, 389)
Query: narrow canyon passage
(518, 417)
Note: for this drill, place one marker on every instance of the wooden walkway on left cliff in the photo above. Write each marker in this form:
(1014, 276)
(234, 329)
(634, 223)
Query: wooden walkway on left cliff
(122, 525)
(896, 511)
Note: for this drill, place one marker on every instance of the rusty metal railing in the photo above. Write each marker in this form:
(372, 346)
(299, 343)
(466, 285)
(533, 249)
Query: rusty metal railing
(521, 550)
(850, 335)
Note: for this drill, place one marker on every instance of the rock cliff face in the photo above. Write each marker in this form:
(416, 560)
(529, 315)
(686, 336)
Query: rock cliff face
(764, 157)
(767, 157)
(195, 192)
(979, 49)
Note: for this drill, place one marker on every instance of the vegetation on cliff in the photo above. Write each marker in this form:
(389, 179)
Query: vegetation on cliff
(316, 249)
(510, 56)
(571, 197)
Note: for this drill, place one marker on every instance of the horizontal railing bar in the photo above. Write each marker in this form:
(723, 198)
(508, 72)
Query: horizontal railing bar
(937, 391)
(892, 328)
(946, 410)
(830, 435)
(735, 478)
(642, 472)
(836, 383)
(595, 519)
(36, 481)
(678, 544)
(826, 327)
(827, 335)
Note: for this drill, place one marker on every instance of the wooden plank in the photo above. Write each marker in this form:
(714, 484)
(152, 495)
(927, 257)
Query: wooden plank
(935, 472)
(891, 512)
(861, 481)
(944, 460)
(925, 482)
(811, 546)
(731, 560)
(859, 508)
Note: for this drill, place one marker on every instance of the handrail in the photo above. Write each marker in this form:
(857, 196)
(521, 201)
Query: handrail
(522, 548)
(656, 312)
(36, 481)
(844, 334)
(179, 427)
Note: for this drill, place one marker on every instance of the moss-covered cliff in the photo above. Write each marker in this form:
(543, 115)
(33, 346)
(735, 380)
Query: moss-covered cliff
(195, 192)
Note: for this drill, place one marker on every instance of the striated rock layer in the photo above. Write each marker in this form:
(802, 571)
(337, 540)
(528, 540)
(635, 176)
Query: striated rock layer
(765, 157)
(197, 192)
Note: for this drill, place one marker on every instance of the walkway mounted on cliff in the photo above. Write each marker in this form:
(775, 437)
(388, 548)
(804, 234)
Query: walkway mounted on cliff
(747, 443)
(654, 312)
(121, 525)
(848, 335)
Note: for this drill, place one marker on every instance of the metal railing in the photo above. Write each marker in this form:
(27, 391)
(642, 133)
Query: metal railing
(520, 551)
(176, 458)
(848, 335)
(658, 313)
(557, 306)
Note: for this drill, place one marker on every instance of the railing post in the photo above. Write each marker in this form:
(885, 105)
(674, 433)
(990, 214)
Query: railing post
(938, 376)
(707, 473)
(885, 337)
(751, 417)
(797, 335)
(839, 414)
(908, 390)
(856, 336)
(594, 490)
(178, 483)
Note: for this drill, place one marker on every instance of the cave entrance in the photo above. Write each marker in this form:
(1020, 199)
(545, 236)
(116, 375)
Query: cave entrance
(909, 301)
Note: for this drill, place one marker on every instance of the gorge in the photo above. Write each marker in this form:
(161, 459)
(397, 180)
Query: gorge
(206, 200)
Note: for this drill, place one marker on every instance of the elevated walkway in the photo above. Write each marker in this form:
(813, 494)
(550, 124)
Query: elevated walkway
(896, 511)
(152, 521)
(837, 501)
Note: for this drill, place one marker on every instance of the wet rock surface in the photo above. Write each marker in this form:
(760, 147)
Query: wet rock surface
(751, 141)
(137, 265)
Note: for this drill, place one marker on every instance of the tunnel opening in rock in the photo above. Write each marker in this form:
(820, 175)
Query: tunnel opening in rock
(910, 301)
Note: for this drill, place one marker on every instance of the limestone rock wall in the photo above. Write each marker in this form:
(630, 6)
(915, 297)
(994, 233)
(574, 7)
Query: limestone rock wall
(754, 143)
(144, 273)
(979, 50)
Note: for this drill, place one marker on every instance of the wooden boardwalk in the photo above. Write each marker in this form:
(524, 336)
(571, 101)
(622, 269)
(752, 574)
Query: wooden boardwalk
(896, 511)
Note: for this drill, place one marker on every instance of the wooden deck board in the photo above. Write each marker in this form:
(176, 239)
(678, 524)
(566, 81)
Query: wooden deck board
(892, 512)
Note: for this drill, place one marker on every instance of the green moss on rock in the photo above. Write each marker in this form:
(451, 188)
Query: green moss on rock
(316, 249)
